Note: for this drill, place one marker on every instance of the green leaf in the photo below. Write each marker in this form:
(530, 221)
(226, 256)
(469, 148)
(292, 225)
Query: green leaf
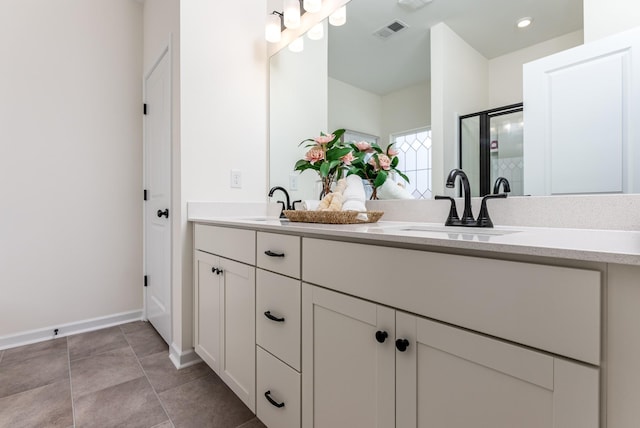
(308, 139)
(394, 162)
(324, 169)
(380, 179)
(403, 176)
(337, 153)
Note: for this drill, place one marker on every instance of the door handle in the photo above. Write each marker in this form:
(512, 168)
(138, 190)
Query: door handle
(267, 395)
(163, 213)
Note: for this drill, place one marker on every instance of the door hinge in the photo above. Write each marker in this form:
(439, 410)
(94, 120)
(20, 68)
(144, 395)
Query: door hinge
(144, 108)
(145, 195)
(145, 280)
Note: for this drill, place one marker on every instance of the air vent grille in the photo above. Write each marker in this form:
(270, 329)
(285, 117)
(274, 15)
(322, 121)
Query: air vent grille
(390, 29)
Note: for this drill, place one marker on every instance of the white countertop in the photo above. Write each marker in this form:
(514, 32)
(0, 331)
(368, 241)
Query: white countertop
(608, 246)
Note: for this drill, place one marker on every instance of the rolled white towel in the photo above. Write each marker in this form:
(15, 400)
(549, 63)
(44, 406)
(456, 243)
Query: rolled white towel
(391, 190)
(354, 205)
(309, 205)
(354, 190)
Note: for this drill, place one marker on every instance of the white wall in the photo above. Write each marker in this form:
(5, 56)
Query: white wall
(354, 108)
(223, 75)
(70, 161)
(405, 109)
(505, 72)
(604, 18)
(459, 82)
(298, 110)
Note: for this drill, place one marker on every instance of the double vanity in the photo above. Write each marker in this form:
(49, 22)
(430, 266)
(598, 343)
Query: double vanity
(401, 324)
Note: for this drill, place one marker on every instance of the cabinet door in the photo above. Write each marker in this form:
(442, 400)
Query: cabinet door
(348, 376)
(207, 316)
(238, 337)
(463, 379)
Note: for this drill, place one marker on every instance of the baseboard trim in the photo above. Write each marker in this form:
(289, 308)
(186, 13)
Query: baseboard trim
(42, 334)
(183, 359)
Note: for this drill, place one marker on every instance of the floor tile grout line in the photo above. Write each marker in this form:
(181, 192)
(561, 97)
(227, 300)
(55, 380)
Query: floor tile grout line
(148, 381)
(73, 405)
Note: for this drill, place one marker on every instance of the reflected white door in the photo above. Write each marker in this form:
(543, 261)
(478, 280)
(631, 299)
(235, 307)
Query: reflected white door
(157, 217)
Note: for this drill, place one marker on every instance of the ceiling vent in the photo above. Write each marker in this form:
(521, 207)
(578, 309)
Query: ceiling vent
(390, 29)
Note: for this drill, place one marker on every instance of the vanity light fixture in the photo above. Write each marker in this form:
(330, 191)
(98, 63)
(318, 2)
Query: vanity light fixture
(312, 6)
(316, 32)
(524, 22)
(273, 29)
(292, 14)
(297, 45)
(339, 17)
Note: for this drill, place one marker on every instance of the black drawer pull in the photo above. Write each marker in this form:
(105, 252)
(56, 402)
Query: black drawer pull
(272, 254)
(272, 318)
(216, 270)
(272, 401)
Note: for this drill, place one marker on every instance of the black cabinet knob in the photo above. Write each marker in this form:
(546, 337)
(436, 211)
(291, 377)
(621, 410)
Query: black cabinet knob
(402, 345)
(216, 270)
(381, 336)
(164, 213)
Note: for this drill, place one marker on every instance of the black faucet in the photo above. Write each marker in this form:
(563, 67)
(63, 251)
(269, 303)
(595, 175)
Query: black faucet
(286, 206)
(506, 188)
(467, 216)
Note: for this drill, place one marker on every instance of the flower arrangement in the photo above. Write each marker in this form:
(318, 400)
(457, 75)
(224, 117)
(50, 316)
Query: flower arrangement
(373, 164)
(328, 156)
(333, 159)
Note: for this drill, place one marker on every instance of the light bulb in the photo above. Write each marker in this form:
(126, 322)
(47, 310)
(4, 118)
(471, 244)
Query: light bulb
(272, 31)
(291, 14)
(297, 45)
(316, 32)
(312, 6)
(339, 17)
(524, 22)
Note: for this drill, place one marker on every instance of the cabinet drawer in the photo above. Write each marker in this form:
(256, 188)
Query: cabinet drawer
(282, 384)
(234, 244)
(547, 307)
(279, 253)
(280, 296)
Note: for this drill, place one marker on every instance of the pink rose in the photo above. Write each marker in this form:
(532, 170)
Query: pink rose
(391, 151)
(324, 139)
(315, 154)
(385, 162)
(373, 163)
(363, 146)
(348, 158)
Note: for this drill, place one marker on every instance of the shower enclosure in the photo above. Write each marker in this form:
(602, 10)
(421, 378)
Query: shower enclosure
(490, 146)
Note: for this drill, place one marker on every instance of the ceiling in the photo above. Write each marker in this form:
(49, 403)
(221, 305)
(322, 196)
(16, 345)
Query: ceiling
(361, 59)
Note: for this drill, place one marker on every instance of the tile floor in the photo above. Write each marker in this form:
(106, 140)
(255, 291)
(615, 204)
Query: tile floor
(116, 377)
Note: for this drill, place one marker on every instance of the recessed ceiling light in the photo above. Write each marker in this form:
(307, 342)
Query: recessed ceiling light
(524, 22)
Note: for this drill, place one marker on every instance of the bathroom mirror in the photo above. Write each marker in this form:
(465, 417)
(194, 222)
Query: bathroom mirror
(369, 77)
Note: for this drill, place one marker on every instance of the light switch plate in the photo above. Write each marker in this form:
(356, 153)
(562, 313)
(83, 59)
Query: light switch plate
(236, 179)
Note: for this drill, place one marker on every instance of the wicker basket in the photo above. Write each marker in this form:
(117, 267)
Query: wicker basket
(333, 217)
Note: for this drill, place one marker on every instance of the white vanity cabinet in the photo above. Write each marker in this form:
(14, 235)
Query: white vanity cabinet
(278, 330)
(224, 305)
(439, 374)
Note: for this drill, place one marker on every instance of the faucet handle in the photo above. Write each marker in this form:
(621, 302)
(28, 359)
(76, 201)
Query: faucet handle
(452, 219)
(483, 216)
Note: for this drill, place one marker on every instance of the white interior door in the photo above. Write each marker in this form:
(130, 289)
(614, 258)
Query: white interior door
(157, 128)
